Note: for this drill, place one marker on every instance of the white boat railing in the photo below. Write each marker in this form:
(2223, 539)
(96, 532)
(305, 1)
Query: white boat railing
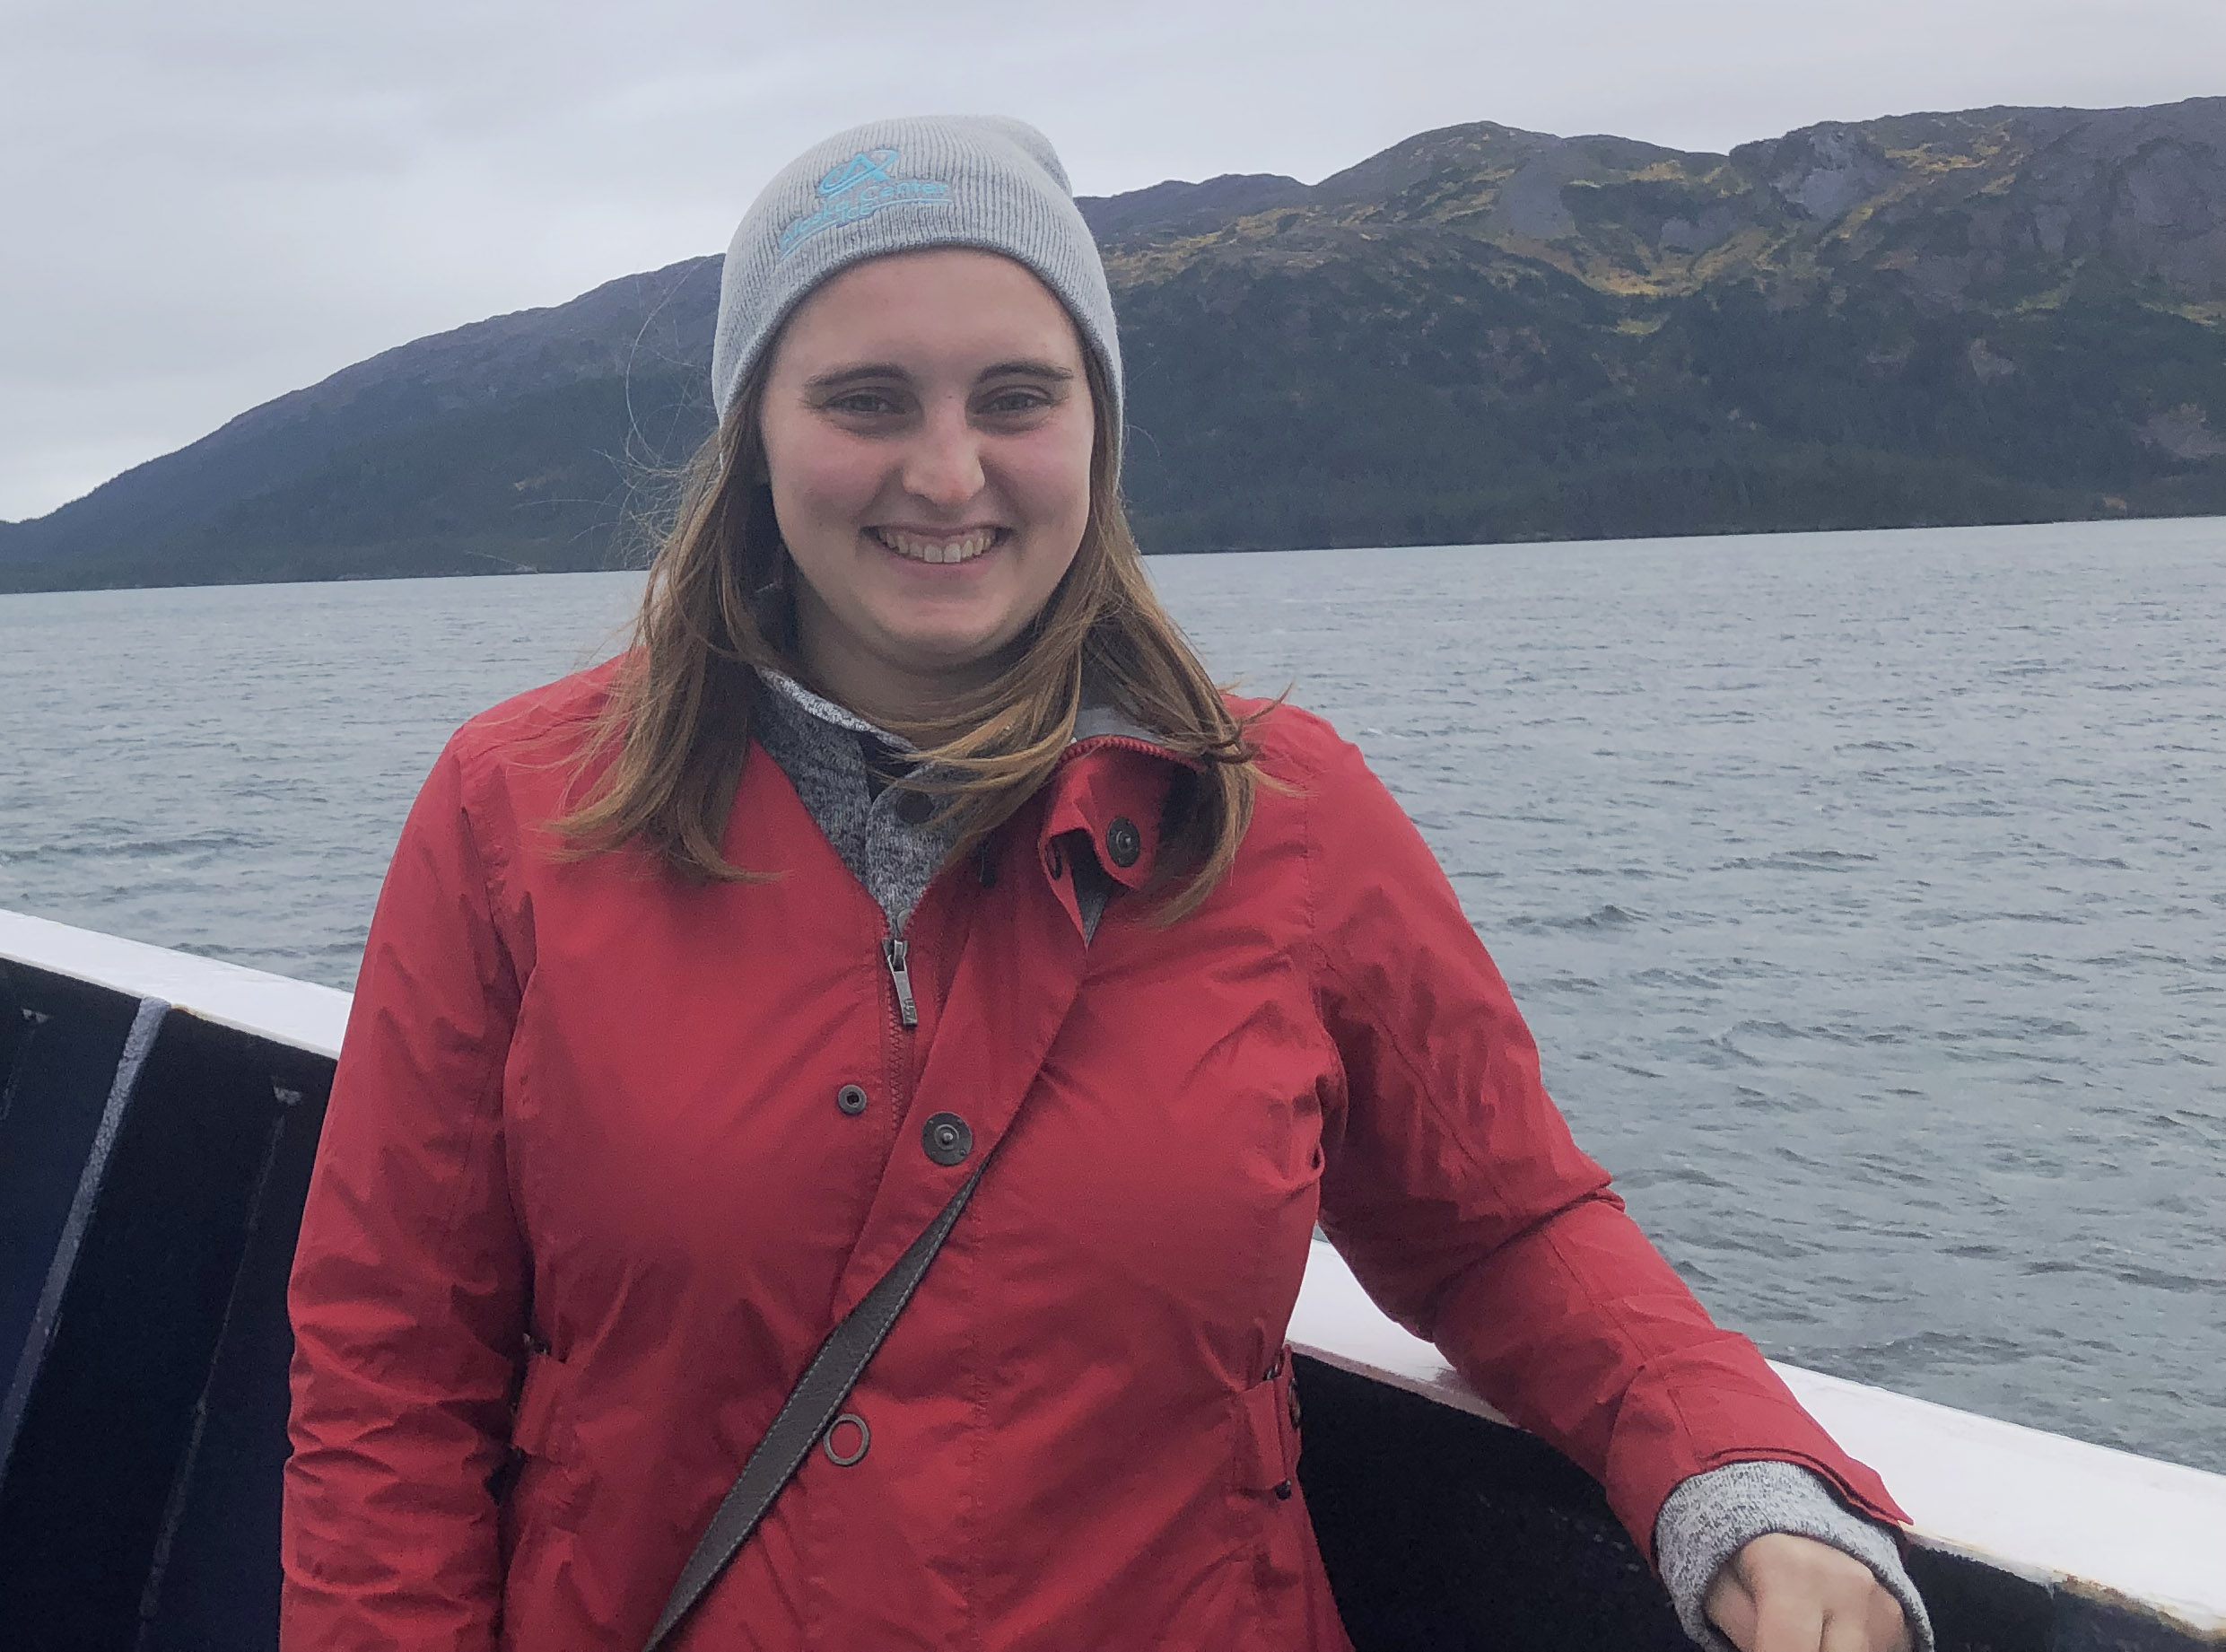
(2039, 1506)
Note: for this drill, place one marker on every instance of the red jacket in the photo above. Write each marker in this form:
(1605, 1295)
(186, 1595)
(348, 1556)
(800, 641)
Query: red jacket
(590, 1112)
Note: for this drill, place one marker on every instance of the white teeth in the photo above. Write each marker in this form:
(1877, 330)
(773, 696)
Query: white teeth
(964, 549)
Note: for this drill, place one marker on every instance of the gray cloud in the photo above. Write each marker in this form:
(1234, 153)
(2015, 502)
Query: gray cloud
(204, 205)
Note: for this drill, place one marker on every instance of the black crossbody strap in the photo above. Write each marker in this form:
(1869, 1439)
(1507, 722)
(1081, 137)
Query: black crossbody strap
(805, 1415)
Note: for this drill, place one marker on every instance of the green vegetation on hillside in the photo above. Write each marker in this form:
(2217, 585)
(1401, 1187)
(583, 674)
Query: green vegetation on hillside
(1855, 326)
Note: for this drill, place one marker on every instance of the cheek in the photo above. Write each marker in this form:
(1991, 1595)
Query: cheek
(1052, 481)
(818, 483)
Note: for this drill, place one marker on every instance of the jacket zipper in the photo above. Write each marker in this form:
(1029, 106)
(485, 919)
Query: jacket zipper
(893, 954)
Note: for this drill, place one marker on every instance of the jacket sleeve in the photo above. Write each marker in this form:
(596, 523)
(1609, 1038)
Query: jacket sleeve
(1452, 1188)
(408, 1285)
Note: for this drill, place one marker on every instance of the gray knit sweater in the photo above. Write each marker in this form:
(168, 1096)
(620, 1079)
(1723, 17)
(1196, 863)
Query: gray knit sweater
(840, 765)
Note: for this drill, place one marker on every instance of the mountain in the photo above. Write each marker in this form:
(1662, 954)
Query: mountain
(1479, 334)
(1487, 334)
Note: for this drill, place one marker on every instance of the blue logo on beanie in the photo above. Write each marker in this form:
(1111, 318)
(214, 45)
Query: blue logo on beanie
(860, 187)
(870, 166)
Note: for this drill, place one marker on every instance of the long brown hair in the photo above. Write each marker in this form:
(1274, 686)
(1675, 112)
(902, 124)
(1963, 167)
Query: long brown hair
(677, 728)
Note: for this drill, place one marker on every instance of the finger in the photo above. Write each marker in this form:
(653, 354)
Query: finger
(1732, 1609)
(1874, 1623)
(1890, 1627)
(1787, 1620)
(1850, 1631)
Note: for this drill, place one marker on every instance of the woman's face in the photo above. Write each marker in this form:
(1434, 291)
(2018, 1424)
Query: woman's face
(928, 429)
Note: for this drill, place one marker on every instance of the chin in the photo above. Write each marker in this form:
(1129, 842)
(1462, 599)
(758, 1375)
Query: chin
(952, 651)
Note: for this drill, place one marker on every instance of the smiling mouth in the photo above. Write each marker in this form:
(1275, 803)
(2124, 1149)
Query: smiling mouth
(927, 547)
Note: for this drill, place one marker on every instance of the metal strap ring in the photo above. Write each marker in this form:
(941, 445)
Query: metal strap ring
(865, 1439)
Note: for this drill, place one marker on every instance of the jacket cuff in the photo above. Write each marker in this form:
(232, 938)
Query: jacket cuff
(1708, 1518)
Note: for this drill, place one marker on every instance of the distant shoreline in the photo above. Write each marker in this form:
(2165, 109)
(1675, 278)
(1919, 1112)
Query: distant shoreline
(1666, 540)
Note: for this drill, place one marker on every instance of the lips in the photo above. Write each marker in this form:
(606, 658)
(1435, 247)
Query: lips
(937, 547)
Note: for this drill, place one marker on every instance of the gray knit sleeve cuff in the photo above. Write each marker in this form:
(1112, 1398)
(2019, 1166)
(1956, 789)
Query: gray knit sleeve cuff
(1708, 1518)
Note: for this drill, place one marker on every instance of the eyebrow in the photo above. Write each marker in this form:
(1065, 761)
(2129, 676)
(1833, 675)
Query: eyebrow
(835, 378)
(839, 376)
(1028, 369)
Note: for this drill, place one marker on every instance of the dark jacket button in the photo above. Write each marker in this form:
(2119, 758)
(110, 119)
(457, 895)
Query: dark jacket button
(851, 1098)
(1123, 842)
(914, 807)
(946, 1138)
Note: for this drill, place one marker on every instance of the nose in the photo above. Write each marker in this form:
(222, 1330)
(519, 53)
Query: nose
(943, 462)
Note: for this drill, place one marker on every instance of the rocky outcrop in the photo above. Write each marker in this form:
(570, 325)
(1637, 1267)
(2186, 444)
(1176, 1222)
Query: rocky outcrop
(1823, 174)
(1185, 209)
(2185, 432)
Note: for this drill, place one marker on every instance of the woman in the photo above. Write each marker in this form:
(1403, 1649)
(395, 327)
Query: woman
(910, 851)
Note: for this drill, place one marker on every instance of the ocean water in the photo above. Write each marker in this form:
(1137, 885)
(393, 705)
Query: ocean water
(1867, 892)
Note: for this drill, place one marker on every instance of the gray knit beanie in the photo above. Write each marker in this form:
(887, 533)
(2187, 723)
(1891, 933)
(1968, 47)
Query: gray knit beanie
(898, 185)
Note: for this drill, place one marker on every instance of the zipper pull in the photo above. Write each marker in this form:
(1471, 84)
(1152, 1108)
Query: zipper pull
(893, 953)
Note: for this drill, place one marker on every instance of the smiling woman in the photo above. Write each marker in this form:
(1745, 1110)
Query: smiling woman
(939, 546)
(758, 1206)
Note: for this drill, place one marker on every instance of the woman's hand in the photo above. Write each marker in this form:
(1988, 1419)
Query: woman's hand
(1787, 1594)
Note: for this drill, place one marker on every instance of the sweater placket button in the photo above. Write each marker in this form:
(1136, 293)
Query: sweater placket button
(1123, 842)
(946, 1139)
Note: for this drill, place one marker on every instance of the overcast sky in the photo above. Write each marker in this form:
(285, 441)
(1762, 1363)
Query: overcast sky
(206, 203)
